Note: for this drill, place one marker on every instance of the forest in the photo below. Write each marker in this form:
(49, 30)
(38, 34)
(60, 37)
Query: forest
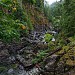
(37, 38)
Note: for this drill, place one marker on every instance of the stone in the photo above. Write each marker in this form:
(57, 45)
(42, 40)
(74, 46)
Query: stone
(50, 61)
(12, 58)
(10, 71)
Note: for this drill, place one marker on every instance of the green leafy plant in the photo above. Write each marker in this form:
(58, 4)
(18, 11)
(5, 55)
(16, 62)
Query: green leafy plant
(39, 57)
(15, 23)
(47, 37)
(9, 29)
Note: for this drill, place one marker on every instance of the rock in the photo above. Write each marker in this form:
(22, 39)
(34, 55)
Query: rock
(33, 71)
(51, 58)
(53, 39)
(12, 58)
(21, 67)
(4, 53)
(50, 61)
(72, 72)
(1, 45)
(25, 62)
(10, 71)
(41, 46)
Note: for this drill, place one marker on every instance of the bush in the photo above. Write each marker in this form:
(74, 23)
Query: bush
(39, 57)
(48, 37)
(15, 23)
(9, 29)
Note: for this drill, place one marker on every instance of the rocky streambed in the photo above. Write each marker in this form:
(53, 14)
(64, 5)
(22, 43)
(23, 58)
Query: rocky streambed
(17, 58)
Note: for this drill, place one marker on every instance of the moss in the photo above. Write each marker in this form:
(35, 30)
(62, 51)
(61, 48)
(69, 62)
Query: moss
(71, 39)
(66, 56)
(69, 56)
(65, 48)
(70, 62)
(61, 51)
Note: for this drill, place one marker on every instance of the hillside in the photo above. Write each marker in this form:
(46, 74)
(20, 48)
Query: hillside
(37, 39)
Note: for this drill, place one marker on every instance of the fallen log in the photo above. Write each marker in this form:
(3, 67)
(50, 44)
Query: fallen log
(54, 51)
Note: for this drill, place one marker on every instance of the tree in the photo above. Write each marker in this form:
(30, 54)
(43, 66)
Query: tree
(68, 17)
(53, 12)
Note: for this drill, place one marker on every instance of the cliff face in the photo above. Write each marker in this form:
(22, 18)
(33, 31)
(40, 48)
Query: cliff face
(37, 17)
(36, 14)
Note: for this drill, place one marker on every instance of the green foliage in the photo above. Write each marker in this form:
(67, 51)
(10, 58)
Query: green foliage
(40, 3)
(30, 1)
(29, 24)
(68, 17)
(62, 15)
(54, 12)
(18, 14)
(22, 15)
(51, 46)
(48, 37)
(61, 42)
(9, 29)
(5, 3)
(39, 57)
(47, 12)
(15, 23)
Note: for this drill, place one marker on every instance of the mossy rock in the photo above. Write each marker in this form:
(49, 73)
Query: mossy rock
(71, 39)
(70, 62)
(61, 51)
(65, 48)
(66, 56)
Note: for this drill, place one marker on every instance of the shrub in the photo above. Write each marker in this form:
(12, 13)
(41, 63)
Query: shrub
(9, 29)
(15, 23)
(39, 57)
(48, 37)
